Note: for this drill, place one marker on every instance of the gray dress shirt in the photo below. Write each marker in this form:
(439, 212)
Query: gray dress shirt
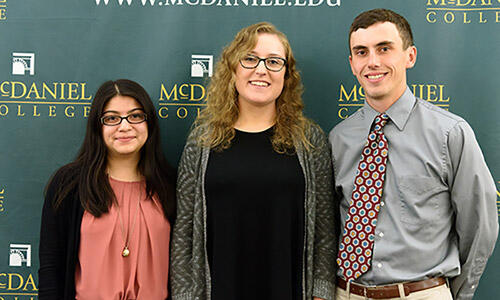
(438, 213)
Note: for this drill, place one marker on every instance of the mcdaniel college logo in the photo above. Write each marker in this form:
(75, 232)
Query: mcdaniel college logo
(463, 11)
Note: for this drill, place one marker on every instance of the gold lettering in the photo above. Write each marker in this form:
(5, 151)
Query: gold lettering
(341, 115)
(1, 209)
(459, 3)
(4, 110)
(198, 110)
(73, 89)
(33, 89)
(354, 94)
(433, 14)
(183, 114)
(10, 286)
(86, 111)
(31, 282)
(184, 96)
(481, 20)
(19, 111)
(163, 92)
(436, 2)
(3, 285)
(449, 17)
(61, 89)
(52, 111)
(163, 112)
(13, 91)
(202, 88)
(68, 113)
(45, 88)
(2, 90)
(441, 94)
(3, 14)
(82, 97)
(35, 112)
(431, 90)
(466, 21)
(486, 2)
(497, 17)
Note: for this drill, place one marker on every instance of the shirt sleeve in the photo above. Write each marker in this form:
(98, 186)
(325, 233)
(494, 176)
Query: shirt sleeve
(325, 240)
(473, 196)
(52, 244)
(182, 236)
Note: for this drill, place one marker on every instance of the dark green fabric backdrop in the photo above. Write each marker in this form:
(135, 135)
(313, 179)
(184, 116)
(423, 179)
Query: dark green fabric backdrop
(55, 53)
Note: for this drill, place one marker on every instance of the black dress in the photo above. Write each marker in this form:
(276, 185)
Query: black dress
(255, 220)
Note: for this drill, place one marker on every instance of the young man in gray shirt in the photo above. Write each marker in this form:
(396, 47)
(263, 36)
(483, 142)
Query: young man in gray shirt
(417, 201)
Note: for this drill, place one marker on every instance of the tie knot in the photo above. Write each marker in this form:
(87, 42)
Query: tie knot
(380, 121)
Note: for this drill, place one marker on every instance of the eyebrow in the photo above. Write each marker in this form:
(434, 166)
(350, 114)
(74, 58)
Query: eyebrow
(272, 54)
(129, 112)
(383, 43)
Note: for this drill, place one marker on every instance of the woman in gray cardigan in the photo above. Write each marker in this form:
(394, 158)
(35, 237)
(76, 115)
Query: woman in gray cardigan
(256, 215)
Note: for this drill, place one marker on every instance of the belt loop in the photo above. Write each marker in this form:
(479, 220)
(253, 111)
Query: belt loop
(348, 289)
(401, 289)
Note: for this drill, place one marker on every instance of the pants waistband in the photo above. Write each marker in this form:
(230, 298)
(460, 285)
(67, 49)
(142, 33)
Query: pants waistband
(391, 290)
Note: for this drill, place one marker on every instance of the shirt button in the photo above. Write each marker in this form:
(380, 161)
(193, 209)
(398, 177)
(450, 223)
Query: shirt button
(473, 286)
(379, 265)
(382, 203)
(381, 234)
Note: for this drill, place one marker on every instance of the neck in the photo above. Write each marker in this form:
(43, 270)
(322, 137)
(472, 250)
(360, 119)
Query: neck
(382, 105)
(124, 168)
(255, 118)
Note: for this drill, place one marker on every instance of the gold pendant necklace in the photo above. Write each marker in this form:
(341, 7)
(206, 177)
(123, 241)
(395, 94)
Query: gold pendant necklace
(126, 251)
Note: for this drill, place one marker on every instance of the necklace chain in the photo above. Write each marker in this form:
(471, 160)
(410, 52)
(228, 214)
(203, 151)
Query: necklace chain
(126, 240)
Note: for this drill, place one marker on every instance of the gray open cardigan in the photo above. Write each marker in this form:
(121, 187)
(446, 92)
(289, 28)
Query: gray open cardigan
(190, 273)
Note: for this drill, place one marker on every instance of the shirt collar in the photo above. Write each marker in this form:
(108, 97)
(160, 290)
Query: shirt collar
(399, 112)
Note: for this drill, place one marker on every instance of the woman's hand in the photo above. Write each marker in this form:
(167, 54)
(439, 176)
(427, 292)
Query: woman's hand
(316, 298)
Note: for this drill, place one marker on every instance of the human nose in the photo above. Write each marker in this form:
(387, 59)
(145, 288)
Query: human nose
(261, 66)
(124, 125)
(373, 60)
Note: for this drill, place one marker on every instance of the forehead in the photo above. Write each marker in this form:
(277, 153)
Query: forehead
(268, 44)
(122, 104)
(375, 34)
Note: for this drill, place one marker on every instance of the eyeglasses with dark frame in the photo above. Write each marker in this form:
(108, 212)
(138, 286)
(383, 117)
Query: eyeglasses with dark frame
(114, 120)
(273, 64)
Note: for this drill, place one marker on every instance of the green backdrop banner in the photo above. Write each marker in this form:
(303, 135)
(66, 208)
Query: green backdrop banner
(55, 53)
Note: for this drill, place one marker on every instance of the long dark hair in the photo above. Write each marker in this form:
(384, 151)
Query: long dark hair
(87, 177)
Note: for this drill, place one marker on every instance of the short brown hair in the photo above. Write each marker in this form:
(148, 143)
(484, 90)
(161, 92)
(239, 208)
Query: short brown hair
(381, 15)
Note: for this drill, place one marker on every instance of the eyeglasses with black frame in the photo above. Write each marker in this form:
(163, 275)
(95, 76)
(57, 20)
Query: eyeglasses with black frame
(114, 120)
(274, 64)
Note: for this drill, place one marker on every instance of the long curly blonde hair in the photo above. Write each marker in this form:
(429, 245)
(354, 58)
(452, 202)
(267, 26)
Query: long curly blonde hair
(221, 112)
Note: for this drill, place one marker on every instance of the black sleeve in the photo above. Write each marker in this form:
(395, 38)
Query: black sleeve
(53, 240)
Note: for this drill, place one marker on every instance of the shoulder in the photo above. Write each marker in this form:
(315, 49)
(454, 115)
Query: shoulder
(436, 116)
(63, 183)
(349, 122)
(63, 176)
(192, 149)
(315, 134)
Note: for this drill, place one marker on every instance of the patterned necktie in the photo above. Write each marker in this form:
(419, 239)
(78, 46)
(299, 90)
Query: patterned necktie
(356, 248)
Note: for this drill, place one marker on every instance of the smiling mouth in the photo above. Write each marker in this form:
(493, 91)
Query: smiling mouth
(125, 139)
(259, 83)
(375, 76)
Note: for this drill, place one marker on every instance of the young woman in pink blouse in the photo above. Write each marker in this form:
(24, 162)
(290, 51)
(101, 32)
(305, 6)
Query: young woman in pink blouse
(107, 215)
